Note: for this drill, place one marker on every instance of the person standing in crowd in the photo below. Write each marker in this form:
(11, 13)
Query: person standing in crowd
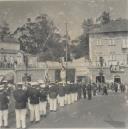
(116, 87)
(75, 92)
(67, 93)
(72, 93)
(61, 91)
(43, 99)
(6, 86)
(105, 92)
(122, 88)
(99, 86)
(4, 102)
(84, 88)
(53, 93)
(34, 97)
(21, 99)
(79, 89)
(89, 91)
(94, 89)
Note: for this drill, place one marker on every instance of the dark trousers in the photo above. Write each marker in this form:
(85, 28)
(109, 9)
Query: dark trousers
(89, 95)
(84, 94)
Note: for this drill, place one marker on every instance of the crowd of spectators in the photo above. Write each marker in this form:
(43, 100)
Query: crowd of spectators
(7, 62)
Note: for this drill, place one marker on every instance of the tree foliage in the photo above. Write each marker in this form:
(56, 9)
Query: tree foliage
(82, 49)
(104, 18)
(40, 37)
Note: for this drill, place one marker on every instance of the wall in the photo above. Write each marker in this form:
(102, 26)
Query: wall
(12, 46)
(36, 74)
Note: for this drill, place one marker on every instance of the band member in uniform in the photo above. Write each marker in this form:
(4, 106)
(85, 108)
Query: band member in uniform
(43, 99)
(89, 91)
(21, 99)
(4, 101)
(72, 91)
(61, 92)
(53, 92)
(34, 97)
(68, 93)
(75, 92)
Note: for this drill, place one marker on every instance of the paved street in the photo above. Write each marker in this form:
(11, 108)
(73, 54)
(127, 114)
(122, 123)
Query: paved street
(100, 112)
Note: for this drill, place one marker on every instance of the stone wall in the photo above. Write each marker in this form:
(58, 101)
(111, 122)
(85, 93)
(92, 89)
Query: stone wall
(36, 74)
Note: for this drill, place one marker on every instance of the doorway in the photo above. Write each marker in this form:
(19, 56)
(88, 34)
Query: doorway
(117, 79)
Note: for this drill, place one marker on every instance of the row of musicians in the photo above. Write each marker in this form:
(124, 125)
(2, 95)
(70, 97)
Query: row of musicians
(35, 97)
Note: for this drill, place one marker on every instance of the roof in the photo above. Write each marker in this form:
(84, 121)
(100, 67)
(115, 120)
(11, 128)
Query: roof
(9, 51)
(120, 25)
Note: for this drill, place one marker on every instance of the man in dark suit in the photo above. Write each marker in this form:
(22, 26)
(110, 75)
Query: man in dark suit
(21, 99)
(61, 91)
(4, 101)
(34, 98)
(53, 93)
(43, 99)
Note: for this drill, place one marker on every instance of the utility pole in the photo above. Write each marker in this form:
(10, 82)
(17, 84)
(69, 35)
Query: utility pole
(66, 47)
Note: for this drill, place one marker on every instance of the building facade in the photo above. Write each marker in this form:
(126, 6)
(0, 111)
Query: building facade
(10, 53)
(109, 42)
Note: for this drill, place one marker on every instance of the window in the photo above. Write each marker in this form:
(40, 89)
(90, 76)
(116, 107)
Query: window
(125, 43)
(111, 42)
(112, 56)
(99, 42)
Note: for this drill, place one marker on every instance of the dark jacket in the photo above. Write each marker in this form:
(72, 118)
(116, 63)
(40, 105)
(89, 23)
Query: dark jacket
(61, 91)
(43, 94)
(34, 95)
(75, 88)
(53, 92)
(89, 88)
(84, 88)
(21, 98)
(67, 89)
(4, 101)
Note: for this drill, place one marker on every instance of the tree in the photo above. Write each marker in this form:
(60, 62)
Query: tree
(86, 25)
(83, 48)
(104, 18)
(39, 37)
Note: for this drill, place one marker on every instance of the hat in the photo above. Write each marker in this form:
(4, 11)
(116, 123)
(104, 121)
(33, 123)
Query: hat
(1, 87)
(33, 84)
(68, 82)
(4, 81)
(42, 85)
(41, 81)
(51, 84)
(19, 84)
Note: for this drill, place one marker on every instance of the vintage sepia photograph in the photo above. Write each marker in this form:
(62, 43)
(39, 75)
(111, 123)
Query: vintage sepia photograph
(64, 64)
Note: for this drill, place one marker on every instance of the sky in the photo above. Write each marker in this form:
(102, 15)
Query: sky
(60, 11)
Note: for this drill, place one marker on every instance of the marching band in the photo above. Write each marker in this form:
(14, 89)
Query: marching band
(36, 98)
